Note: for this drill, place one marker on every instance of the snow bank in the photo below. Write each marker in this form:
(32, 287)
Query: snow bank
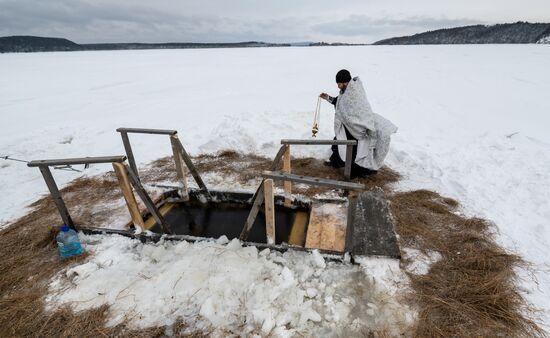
(224, 288)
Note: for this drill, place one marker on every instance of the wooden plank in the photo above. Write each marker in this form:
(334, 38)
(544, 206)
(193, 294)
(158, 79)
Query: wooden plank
(277, 159)
(129, 153)
(150, 221)
(180, 168)
(191, 167)
(314, 231)
(269, 211)
(258, 201)
(128, 194)
(164, 209)
(299, 229)
(287, 184)
(147, 131)
(347, 169)
(147, 201)
(328, 236)
(327, 227)
(277, 175)
(75, 161)
(318, 142)
(56, 196)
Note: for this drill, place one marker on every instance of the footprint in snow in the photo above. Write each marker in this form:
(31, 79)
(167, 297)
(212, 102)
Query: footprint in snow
(67, 140)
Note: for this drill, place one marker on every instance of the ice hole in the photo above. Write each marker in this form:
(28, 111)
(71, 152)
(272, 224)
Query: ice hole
(226, 215)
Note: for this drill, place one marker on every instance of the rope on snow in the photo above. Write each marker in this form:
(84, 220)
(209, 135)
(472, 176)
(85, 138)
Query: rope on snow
(61, 167)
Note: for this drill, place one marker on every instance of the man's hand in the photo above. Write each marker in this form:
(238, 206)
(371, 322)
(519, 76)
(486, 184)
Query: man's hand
(323, 96)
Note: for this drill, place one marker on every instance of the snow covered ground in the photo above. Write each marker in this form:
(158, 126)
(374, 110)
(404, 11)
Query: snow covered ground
(472, 119)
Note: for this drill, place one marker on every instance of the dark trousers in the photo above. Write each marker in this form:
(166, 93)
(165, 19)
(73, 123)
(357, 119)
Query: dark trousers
(356, 170)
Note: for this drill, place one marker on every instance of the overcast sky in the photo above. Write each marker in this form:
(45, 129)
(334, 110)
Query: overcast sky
(357, 21)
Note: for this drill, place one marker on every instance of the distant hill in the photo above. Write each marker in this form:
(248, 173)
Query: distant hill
(178, 45)
(334, 44)
(26, 44)
(519, 32)
(35, 44)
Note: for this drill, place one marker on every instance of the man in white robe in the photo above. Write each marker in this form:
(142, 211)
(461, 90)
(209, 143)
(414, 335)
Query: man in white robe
(355, 120)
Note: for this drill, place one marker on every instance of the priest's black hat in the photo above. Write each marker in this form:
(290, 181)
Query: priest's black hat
(343, 76)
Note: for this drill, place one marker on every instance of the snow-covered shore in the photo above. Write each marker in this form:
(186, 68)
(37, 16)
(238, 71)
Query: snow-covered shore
(472, 119)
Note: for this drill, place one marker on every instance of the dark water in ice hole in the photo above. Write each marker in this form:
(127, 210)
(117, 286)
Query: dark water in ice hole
(217, 219)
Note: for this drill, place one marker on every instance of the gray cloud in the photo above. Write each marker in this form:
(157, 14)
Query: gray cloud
(360, 26)
(87, 21)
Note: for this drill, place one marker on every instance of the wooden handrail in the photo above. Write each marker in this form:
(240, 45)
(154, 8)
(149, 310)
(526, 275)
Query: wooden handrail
(319, 142)
(280, 176)
(147, 131)
(78, 160)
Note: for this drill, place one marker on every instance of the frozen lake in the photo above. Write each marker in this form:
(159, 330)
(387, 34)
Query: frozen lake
(472, 119)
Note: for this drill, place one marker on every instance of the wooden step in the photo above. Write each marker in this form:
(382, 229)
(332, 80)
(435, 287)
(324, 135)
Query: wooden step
(327, 227)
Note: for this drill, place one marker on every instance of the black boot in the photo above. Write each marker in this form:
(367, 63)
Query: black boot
(360, 172)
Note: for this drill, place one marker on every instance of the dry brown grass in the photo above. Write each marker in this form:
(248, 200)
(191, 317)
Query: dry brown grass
(471, 292)
(30, 259)
(247, 167)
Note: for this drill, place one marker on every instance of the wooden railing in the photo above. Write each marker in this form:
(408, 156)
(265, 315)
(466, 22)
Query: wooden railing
(265, 190)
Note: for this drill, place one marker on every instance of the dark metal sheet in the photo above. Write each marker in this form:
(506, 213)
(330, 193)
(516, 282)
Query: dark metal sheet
(372, 230)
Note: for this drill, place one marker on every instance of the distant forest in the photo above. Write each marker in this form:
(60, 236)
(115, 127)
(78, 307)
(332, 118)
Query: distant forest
(519, 32)
(26, 44)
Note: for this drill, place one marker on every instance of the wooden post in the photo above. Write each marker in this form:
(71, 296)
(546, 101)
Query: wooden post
(258, 200)
(277, 159)
(57, 199)
(149, 204)
(128, 194)
(287, 184)
(129, 152)
(347, 169)
(269, 211)
(180, 167)
(191, 167)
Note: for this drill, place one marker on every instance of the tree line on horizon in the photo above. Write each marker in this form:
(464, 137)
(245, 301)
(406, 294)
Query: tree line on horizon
(514, 33)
